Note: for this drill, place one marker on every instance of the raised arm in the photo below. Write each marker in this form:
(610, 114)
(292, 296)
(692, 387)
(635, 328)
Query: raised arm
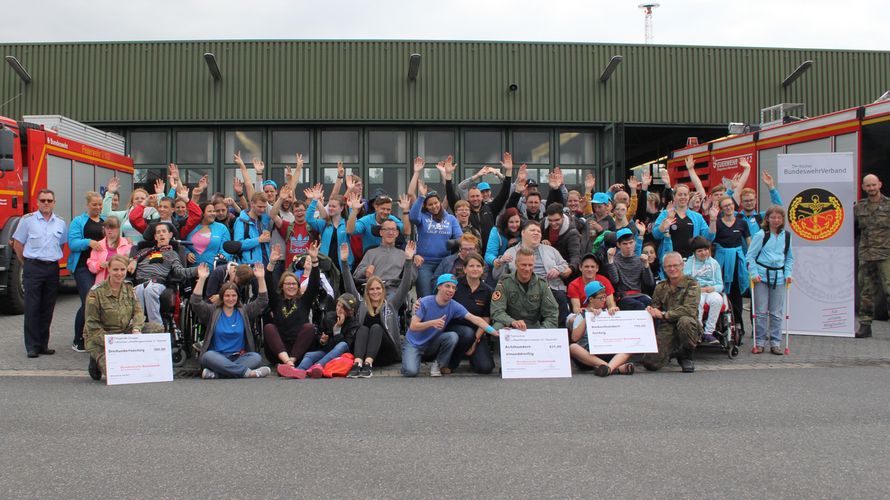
(419, 163)
(245, 175)
(409, 274)
(742, 180)
(693, 177)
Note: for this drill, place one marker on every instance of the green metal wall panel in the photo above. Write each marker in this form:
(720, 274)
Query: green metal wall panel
(459, 82)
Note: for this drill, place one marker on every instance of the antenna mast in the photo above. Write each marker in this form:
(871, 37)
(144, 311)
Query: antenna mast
(647, 9)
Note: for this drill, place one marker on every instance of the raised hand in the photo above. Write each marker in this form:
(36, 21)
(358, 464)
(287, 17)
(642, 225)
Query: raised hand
(421, 188)
(419, 163)
(203, 182)
(735, 182)
(341, 172)
(552, 180)
(616, 187)
(238, 186)
(646, 180)
(344, 251)
(354, 201)
(410, 250)
(313, 251)
(641, 228)
(350, 184)
(743, 162)
(275, 254)
(690, 162)
(507, 163)
(589, 182)
(114, 184)
(159, 186)
(666, 177)
(450, 165)
(300, 162)
(238, 160)
(442, 172)
(714, 211)
(182, 191)
(203, 271)
(768, 179)
(173, 170)
(521, 185)
(405, 203)
(633, 183)
(259, 272)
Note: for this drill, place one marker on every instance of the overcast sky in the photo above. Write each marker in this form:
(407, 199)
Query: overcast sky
(849, 24)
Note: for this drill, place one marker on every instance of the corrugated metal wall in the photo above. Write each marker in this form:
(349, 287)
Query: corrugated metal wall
(336, 81)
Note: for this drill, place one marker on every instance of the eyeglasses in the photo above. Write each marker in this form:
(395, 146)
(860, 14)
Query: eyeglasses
(44, 200)
(291, 283)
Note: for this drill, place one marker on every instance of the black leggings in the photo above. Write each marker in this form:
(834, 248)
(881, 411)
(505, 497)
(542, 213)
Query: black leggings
(374, 343)
(735, 300)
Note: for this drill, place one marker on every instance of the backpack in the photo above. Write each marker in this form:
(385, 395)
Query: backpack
(339, 366)
(766, 235)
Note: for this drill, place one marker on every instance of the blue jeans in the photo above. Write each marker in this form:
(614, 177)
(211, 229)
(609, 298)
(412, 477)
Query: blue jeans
(84, 280)
(481, 360)
(425, 276)
(231, 365)
(770, 302)
(321, 357)
(441, 346)
(638, 302)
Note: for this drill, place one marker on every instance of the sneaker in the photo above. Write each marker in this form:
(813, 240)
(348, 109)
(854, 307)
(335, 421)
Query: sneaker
(315, 371)
(288, 371)
(78, 347)
(708, 339)
(434, 369)
(367, 371)
(355, 372)
(208, 374)
(262, 372)
(93, 369)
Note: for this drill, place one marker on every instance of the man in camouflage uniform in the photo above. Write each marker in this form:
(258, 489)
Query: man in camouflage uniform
(522, 299)
(109, 312)
(873, 223)
(675, 310)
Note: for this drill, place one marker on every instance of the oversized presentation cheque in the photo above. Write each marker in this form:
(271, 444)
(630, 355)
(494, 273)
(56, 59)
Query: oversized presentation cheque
(138, 359)
(631, 332)
(541, 353)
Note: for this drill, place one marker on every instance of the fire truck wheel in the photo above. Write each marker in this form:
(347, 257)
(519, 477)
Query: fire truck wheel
(14, 302)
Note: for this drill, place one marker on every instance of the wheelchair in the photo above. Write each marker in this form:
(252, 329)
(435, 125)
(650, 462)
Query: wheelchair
(728, 335)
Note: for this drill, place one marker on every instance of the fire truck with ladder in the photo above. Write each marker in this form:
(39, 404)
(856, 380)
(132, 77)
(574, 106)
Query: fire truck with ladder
(57, 153)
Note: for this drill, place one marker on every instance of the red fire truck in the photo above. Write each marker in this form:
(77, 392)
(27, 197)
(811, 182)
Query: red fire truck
(864, 131)
(51, 152)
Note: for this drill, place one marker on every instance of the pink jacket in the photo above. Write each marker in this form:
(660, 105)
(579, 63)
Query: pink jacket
(99, 256)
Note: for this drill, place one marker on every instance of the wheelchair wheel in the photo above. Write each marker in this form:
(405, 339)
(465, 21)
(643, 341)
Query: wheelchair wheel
(733, 352)
(179, 356)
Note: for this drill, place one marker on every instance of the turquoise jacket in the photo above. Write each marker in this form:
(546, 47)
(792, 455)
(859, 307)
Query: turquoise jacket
(77, 244)
(773, 255)
(326, 230)
(219, 234)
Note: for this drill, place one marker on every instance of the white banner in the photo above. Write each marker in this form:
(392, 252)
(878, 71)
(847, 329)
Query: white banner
(819, 191)
(540, 353)
(138, 359)
(631, 332)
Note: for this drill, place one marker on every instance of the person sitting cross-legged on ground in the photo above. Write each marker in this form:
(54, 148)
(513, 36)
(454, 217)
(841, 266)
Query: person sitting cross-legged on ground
(704, 269)
(336, 337)
(228, 350)
(603, 364)
(291, 334)
(111, 307)
(427, 336)
(675, 308)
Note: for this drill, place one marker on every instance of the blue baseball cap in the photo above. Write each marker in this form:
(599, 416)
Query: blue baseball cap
(270, 182)
(593, 288)
(622, 233)
(446, 278)
(601, 198)
(484, 186)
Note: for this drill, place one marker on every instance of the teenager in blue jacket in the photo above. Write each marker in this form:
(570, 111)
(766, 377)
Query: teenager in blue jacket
(435, 227)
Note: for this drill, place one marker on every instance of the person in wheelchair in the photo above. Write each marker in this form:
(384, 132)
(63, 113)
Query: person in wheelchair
(385, 261)
(706, 271)
(112, 308)
(228, 349)
(158, 264)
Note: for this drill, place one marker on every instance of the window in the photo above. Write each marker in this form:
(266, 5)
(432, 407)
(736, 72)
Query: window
(286, 144)
(482, 147)
(339, 145)
(58, 178)
(387, 146)
(147, 148)
(576, 148)
(767, 160)
(194, 147)
(248, 142)
(531, 147)
(435, 145)
(847, 143)
(816, 146)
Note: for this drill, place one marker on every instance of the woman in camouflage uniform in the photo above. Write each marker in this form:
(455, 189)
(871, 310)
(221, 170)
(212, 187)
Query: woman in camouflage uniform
(111, 307)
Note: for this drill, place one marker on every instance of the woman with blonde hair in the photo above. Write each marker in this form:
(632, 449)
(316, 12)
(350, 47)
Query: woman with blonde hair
(137, 198)
(378, 338)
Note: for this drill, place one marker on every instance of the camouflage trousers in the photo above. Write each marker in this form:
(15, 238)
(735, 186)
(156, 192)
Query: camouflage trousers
(672, 337)
(95, 344)
(872, 276)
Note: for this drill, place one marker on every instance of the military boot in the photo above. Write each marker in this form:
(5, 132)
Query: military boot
(685, 360)
(864, 331)
(93, 369)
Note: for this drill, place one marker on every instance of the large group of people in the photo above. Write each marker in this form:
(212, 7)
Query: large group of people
(288, 283)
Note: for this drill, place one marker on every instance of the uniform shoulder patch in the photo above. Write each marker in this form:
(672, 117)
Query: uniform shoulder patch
(496, 295)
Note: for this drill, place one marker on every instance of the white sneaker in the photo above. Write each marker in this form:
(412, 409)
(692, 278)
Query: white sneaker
(434, 369)
(208, 374)
(261, 372)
